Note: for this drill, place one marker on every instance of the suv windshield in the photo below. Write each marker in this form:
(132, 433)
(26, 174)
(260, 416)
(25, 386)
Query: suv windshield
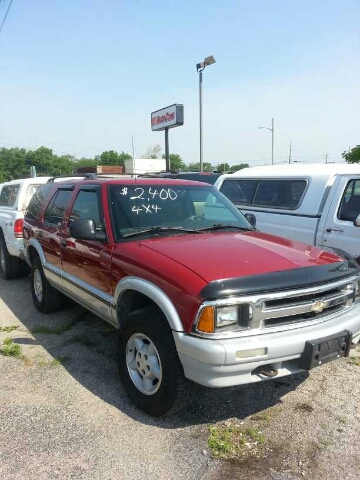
(191, 208)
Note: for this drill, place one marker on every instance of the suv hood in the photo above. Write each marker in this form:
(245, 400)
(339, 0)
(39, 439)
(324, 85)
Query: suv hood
(215, 256)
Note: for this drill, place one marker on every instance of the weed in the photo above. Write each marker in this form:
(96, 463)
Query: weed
(11, 349)
(55, 362)
(342, 418)
(354, 361)
(55, 331)
(255, 434)
(325, 442)
(9, 328)
(230, 442)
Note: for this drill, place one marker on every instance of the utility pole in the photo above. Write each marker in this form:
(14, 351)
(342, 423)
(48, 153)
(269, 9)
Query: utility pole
(272, 141)
(290, 154)
(326, 157)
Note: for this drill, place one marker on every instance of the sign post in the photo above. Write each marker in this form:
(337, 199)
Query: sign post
(168, 117)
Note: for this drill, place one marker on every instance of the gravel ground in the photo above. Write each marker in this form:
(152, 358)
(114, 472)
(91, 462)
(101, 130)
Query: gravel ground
(65, 415)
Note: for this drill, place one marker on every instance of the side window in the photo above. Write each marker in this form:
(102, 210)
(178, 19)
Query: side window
(57, 206)
(38, 201)
(285, 194)
(86, 206)
(9, 195)
(350, 203)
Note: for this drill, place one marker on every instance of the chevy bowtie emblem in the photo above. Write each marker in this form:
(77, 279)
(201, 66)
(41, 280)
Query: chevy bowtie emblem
(318, 306)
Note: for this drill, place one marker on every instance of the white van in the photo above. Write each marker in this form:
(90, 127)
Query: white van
(317, 204)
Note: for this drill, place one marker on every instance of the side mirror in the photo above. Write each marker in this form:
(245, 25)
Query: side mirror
(84, 229)
(357, 221)
(250, 217)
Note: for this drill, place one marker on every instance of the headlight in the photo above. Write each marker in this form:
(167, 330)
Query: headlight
(226, 316)
(213, 319)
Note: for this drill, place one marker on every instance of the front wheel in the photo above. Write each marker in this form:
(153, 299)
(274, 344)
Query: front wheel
(149, 366)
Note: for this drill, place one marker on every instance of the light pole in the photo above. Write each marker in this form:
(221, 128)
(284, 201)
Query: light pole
(200, 67)
(272, 139)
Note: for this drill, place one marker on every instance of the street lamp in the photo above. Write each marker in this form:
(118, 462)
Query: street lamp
(272, 139)
(200, 67)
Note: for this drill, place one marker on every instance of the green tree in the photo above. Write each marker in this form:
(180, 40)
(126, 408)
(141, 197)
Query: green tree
(223, 167)
(207, 167)
(110, 157)
(240, 166)
(176, 162)
(353, 156)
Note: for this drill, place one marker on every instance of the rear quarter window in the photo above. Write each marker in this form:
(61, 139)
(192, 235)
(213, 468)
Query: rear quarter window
(276, 193)
(9, 194)
(38, 201)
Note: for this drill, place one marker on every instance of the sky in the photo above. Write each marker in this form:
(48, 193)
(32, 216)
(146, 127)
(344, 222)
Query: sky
(83, 76)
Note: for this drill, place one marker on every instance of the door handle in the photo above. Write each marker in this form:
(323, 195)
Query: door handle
(329, 230)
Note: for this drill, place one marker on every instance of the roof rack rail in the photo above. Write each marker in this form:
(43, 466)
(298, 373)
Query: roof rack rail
(86, 176)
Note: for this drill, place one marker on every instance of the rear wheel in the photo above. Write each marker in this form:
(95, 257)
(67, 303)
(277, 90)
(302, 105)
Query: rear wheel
(46, 298)
(149, 366)
(10, 267)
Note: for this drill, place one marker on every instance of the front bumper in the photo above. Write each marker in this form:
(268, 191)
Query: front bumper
(213, 363)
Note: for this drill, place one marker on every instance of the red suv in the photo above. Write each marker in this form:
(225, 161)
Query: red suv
(196, 293)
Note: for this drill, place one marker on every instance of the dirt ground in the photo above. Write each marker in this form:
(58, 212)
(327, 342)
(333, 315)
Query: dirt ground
(65, 415)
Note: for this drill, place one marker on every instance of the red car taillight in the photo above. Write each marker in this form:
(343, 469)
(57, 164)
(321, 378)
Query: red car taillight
(18, 228)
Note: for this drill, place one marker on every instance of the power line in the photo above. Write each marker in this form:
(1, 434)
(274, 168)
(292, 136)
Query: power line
(6, 14)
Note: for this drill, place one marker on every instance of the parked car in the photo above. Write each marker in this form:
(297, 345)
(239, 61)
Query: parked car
(195, 292)
(14, 198)
(318, 204)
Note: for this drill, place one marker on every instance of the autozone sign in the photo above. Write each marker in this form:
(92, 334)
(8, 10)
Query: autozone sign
(168, 117)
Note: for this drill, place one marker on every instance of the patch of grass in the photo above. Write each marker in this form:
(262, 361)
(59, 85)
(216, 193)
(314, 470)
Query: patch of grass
(325, 442)
(233, 441)
(255, 434)
(9, 328)
(11, 349)
(354, 361)
(55, 331)
(54, 362)
(342, 419)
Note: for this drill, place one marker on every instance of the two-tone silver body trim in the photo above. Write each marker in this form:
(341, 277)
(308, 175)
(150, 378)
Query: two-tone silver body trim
(99, 302)
(155, 294)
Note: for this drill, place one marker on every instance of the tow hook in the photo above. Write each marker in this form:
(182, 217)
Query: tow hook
(266, 371)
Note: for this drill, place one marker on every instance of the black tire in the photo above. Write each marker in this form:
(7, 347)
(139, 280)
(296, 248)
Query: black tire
(173, 389)
(49, 299)
(10, 267)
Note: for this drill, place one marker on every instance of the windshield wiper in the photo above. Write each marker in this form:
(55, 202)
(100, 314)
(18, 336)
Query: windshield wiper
(222, 226)
(159, 230)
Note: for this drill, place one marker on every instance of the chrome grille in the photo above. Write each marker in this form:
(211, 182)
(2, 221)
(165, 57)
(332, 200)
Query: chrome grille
(313, 303)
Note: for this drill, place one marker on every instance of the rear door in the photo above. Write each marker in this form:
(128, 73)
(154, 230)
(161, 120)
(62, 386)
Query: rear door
(87, 263)
(340, 211)
(49, 235)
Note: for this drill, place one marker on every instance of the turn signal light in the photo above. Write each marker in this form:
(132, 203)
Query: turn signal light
(206, 321)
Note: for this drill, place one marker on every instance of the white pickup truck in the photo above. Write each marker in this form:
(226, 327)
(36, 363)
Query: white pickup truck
(14, 199)
(317, 204)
